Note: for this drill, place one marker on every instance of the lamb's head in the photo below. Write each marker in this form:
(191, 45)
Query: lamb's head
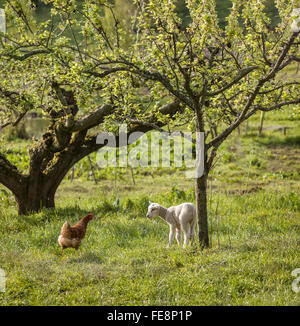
(153, 210)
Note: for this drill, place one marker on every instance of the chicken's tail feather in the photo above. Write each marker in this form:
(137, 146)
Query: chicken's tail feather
(66, 230)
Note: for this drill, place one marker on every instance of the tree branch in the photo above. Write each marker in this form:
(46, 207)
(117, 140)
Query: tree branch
(241, 74)
(276, 106)
(243, 115)
(93, 119)
(10, 177)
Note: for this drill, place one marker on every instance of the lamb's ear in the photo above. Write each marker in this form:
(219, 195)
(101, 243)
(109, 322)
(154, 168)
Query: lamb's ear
(150, 202)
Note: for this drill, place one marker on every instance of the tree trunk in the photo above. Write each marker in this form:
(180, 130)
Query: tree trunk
(30, 205)
(262, 116)
(201, 209)
(37, 191)
(35, 194)
(201, 184)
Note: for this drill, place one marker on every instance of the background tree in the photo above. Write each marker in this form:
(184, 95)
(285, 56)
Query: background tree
(221, 75)
(51, 67)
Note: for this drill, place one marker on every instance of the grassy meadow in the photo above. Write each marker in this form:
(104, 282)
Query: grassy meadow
(254, 225)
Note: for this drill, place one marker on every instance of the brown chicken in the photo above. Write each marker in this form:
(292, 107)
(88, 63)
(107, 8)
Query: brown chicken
(71, 236)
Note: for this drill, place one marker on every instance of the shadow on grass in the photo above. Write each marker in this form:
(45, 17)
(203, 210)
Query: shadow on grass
(87, 258)
(71, 211)
(273, 141)
(99, 211)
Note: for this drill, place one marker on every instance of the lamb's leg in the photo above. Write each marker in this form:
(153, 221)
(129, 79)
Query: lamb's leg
(192, 235)
(171, 234)
(178, 235)
(186, 232)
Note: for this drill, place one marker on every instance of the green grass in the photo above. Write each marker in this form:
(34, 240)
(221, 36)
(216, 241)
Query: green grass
(124, 259)
(254, 223)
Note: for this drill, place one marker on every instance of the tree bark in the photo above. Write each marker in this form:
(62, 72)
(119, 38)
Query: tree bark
(201, 183)
(28, 204)
(262, 116)
(36, 190)
(39, 190)
(201, 209)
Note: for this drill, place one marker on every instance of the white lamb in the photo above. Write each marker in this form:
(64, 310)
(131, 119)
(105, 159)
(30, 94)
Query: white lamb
(178, 217)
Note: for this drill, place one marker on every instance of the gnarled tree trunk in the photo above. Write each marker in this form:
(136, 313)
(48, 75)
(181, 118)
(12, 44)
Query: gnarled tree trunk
(28, 204)
(55, 154)
(34, 192)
